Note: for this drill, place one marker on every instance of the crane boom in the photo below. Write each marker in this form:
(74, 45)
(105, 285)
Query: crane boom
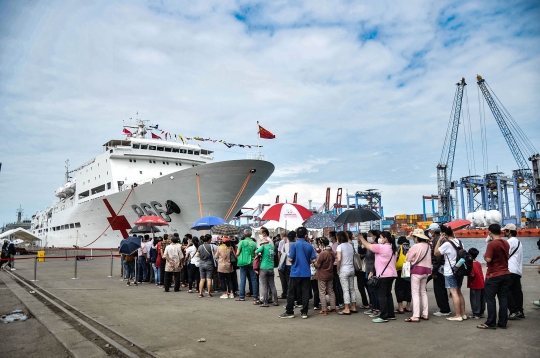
(446, 163)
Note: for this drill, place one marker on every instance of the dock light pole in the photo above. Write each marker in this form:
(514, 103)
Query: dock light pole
(111, 264)
(76, 254)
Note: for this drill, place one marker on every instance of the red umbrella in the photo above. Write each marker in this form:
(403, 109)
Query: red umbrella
(151, 221)
(285, 211)
(458, 224)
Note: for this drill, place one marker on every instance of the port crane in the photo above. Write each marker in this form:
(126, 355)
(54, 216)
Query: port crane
(446, 163)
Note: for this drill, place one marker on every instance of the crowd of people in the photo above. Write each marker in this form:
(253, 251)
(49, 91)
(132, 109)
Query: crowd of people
(325, 270)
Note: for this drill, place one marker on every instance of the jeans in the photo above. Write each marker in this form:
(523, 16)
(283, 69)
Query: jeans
(373, 296)
(267, 281)
(315, 289)
(497, 286)
(304, 284)
(441, 294)
(129, 270)
(284, 278)
(324, 287)
(226, 282)
(337, 287)
(168, 275)
(347, 283)
(418, 293)
(515, 294)
(142, 269)
(244, 272)
(193, 277)
(478, 302)
(385, 297)
(402, 288)
(156, 274)
(362, 287)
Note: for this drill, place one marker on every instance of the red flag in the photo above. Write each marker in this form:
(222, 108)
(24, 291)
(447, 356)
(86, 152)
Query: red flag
(265, 134)
(126, 131)
(155, 136)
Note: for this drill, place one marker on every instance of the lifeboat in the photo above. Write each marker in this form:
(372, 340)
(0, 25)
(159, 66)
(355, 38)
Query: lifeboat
(69, 188)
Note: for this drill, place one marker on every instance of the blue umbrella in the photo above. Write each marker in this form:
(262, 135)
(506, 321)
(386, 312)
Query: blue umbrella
(129, 245)
(206, 223)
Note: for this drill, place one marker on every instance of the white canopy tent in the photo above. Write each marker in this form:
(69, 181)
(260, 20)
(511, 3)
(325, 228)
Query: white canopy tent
(19, 233)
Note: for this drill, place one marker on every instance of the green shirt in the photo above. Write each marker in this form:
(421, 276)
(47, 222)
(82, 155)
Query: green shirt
(267, 262)
(247, 249)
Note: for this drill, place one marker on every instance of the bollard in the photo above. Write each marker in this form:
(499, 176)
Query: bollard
(111, 264)
(91, 256)
(66, 253)
(75, 278)
(35, 269)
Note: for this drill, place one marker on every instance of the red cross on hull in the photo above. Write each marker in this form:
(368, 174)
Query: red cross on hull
(118, 222)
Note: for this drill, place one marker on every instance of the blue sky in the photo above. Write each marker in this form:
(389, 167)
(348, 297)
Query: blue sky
(358, 93)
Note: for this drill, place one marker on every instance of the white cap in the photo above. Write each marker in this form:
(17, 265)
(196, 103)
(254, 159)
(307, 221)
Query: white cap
(434, 227)
(510, 227)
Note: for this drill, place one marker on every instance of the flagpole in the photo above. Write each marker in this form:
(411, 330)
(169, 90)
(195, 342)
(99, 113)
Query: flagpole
(258, 139)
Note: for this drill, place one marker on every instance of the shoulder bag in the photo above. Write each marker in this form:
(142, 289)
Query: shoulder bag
(401, 259)
(407, 267)
(513, 252)
(375, 281)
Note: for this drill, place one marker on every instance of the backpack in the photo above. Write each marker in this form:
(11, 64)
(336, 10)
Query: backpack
(461, 253)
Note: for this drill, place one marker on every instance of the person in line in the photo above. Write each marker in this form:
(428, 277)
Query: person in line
(371, 237)
(129, 267)
(437, 273)
(497, 277)
(246, 253)
(361, 275)
(282, 257)
(385, 267)
(142, 268)
(4, 255)
(301, 254)
(206, 264)
(447, 246)
(533, 260)
(162, 245)
(193, 266)
(173, 256)
(325, 276)
(153, 260)
(402, 287)
(266, 251)
(223, 255)
(475, 284)
(291, 239)
(419, 256)
(515, 266)
(345, 267)
(184, 273)
(338, 290)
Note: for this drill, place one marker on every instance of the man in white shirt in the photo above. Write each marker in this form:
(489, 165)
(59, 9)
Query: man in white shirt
(515, 266)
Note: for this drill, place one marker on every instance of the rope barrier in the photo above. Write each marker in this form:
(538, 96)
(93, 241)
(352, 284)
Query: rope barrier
(56, 257)
(237, 196)
(112, 221)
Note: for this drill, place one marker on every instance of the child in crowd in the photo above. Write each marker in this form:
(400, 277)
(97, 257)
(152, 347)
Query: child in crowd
(475, 282)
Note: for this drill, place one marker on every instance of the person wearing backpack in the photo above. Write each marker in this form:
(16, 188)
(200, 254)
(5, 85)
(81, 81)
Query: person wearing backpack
(448, 246)
(497, 277)
(515, 266)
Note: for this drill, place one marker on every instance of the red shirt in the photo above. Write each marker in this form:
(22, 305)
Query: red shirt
(498, 250)
(476, 279)
(158, 260)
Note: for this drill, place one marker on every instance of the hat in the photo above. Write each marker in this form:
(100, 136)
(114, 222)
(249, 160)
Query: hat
(225, 239)
(420, 233)
(434, 227)
(510, 227)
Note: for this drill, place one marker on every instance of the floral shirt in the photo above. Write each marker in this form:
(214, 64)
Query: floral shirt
(173, 254)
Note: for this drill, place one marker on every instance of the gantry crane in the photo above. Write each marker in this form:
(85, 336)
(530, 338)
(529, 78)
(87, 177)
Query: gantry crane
(506, 124)
(446, 163)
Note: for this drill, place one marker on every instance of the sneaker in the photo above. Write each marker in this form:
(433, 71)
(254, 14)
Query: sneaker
(230, 295)
(224, 296)
(440, 314)
(375, 315)
(392, 318)
(341, 306)
(127, 284)
(303, 315)
(464, 317)
(135, 283)
(297, 306)
(379, 320)
(521, 315)
(286, 315)
(316, 308)
(513, 316)
(369, 312)
(14, 269)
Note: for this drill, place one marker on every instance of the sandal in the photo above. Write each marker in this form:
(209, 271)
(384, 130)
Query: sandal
(276, 304)
(190, 291)
(473, 317)
(485, 326)
(264, 305)
(425, 318)
(282, 297)
(406, 310)
(364, 307)
(411, 320)
(353, 311)
(201, 296)
(256, 302)
(399, 312)
(344, 313)
(240, 299)
(323, 313)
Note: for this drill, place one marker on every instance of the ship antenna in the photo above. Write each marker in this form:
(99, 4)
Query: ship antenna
(67, 170)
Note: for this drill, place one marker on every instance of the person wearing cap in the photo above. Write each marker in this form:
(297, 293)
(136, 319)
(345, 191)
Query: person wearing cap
(224, 268)
(515, 266)
(419, 256)
(437, 273)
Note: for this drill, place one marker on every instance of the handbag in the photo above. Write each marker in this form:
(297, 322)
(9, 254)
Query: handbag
(257, 263)
(375, 281)
(401, 259)
(358, 262)
(232, 258)
(407, 267)
(313, 270)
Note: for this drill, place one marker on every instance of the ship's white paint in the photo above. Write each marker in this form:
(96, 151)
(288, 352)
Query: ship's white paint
(157, 171)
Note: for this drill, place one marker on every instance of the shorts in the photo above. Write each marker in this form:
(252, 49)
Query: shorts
(206, 272)
(453, 281)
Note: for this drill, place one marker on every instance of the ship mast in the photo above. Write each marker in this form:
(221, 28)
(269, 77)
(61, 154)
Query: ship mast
(67, 170)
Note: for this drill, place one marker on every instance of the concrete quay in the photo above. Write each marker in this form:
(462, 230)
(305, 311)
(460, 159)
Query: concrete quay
(170, 324)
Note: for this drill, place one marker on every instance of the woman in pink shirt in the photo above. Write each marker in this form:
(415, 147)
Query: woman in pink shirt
(385, 267)
(420, 258)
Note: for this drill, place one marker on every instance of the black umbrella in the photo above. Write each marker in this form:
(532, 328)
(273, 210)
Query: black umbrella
(129, 245)
(356, 216)
(320, 221)
(144, 229)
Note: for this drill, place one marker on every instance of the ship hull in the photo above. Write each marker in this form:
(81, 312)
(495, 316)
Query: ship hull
(218, 189)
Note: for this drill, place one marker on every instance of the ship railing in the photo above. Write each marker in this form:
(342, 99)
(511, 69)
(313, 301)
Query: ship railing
(256, 156)
(139, 182)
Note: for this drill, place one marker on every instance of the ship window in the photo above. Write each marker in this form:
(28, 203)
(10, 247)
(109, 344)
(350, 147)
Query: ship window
(189, 152)
(58, 228)
(98, 189)
(144, 146)
(134, 160)
(72, 226)
(175, 150)
(140, 172)
(163, 163)
(183, 151)
(109, 185)
(77, 224)
(152, 147)
(160, 173)
(160, 149)
(167, 149)
(110, 151)
(83, 194)
(154, 162)
(193, 165)
(167, 163)
(130, 160)
(179, 164)
(149, 161)
(135, 146)
(196, 153)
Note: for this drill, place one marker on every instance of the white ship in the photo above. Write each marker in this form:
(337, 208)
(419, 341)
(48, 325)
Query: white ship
(137, 176)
